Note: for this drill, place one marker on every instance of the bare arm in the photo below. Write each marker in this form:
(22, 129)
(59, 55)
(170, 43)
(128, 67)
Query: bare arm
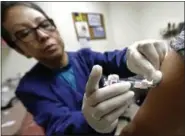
(163, 111)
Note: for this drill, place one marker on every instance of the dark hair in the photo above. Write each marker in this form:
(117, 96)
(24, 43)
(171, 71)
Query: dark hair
(5, 6)
(173, 31)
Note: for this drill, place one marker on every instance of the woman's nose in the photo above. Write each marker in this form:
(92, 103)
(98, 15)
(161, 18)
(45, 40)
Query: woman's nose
(41, 35)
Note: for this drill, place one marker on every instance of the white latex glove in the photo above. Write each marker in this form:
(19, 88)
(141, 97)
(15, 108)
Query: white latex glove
(145, 57)
(103, 106)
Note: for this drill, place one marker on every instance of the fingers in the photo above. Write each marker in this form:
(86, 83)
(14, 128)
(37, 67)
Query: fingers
(107, 127)
(156, 77)
(150, 53)
(155, 52)
(162, 49)
(108, 92)
(109, 105)
(138, 64)
(145, 57)
(111, 127)
(93, 81)
(115, 114)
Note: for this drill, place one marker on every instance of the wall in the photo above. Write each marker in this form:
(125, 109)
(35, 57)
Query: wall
(61, 13)
(13, 63)
(154, 16)
(125, 23)
(132, 21)
(124, 17)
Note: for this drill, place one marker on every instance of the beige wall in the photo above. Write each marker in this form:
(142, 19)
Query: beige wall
(125, 23)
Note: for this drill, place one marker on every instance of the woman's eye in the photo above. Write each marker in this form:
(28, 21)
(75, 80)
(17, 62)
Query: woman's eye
(23, 33)
(46, 24)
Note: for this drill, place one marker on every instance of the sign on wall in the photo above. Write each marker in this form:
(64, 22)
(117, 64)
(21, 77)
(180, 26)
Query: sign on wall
(89, 25)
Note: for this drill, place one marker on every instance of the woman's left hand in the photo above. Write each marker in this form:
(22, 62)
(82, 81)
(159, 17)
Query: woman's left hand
(145, 57)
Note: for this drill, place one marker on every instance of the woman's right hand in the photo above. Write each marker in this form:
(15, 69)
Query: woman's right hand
(103, 106)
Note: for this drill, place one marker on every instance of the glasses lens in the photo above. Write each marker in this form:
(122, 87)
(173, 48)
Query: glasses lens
(25, 35)
(47, 25)
(28, 35)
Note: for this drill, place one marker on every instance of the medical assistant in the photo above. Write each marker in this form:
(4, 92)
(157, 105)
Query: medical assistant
(54, 96)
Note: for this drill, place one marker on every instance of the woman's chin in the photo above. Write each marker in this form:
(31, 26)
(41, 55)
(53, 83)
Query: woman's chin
(54, 54)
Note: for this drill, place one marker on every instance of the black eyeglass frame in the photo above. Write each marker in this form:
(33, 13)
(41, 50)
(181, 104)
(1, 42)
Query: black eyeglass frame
(34, 30)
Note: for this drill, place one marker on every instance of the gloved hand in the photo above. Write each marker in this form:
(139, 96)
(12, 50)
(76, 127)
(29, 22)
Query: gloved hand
(103, 106)
(145, 57)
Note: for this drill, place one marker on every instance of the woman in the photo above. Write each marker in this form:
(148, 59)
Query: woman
(53, 89)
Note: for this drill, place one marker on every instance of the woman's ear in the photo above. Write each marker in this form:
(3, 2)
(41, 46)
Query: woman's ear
(19, 50)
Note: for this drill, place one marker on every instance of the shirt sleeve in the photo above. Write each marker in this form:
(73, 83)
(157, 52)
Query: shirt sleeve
(112, 62)
(54, 117)
(178, 44)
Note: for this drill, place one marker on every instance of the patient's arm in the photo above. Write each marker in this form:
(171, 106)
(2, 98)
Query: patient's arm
(163, 111)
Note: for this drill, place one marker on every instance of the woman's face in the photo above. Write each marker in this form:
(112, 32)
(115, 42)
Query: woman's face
(43, 43)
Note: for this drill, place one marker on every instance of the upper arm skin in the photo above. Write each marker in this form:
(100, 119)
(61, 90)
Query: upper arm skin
(163, 111)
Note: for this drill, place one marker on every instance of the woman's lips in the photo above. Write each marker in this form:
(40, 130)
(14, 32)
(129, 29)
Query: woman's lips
(50, 48)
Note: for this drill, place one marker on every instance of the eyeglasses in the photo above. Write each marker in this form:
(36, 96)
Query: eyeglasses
(30, 34)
